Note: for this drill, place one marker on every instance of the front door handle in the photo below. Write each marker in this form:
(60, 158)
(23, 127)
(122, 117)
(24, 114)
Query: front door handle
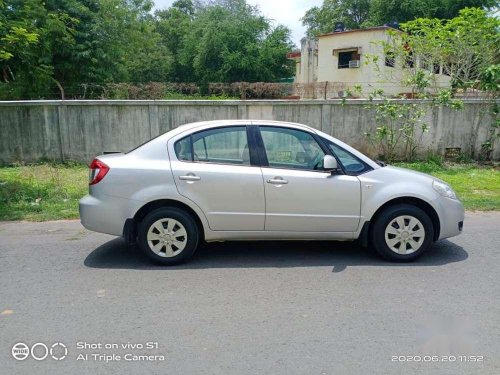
(190, 177)
(277, 181)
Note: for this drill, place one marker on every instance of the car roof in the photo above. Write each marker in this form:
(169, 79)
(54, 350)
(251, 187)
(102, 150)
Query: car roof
(193, 125)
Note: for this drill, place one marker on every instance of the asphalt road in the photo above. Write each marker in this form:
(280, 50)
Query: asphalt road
(249, 308)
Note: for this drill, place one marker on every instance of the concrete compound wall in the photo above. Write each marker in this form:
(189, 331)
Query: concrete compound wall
(79, 130)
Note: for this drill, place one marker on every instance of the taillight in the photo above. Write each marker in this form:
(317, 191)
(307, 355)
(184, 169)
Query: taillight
(97, 171)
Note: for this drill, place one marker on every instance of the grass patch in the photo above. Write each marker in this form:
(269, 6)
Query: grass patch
(51, 191)
(42, 192)
(478, 187)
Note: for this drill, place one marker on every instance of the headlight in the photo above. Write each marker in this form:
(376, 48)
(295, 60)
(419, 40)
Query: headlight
(444, 189)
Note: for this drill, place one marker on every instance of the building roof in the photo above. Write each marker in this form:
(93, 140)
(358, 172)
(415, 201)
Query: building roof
(358, 30)
(293, 54)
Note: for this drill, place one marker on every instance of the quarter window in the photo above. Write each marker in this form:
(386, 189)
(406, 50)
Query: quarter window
(291, 149)
(183, 149)
(352, 165)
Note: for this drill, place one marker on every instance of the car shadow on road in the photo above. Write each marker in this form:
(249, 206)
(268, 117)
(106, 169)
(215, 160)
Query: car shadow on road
(116, 254)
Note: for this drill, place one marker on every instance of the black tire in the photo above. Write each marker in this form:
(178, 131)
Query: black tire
(182, 217)
(386, 217)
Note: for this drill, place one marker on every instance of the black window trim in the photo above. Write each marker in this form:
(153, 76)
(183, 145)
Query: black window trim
(258, 156)
(254, 160)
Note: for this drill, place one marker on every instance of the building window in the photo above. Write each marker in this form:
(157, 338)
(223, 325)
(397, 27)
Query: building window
(447, 69)
(409, 60)
(390, 59)
(345, 57)
(424, 65)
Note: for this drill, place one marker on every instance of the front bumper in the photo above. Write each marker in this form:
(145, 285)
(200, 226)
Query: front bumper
(451, 216)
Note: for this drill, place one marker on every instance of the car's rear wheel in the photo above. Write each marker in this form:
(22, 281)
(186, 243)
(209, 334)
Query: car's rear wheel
(168, 235)
(402, 233)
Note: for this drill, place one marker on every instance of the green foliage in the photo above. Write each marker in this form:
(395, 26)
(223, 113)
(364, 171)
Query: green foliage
(445, 98)
(173, 24)
(490, 79)
(490, 83)
(353, 13)
(383, 11)
(363, 13)
(465, 45)
(465, 48)
(398, 125)
(178, 90)
(462, 48)
(16, 33)
(58, 48)
(157, 91)
(488, 147)
(230, 41)
(42, 192)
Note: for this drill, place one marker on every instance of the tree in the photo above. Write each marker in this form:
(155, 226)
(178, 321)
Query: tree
(490, 83)
(230, 41)
(362, 13)
(58, 45)
(173, 24)
(115, 41)
(465, 48)
(273, 63)
(465, 45)
(15, 33)
(385, 11)
(353, 13)
(56, 48)
(28, 58)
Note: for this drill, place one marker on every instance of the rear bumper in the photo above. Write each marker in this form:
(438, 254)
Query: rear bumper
(103, 215)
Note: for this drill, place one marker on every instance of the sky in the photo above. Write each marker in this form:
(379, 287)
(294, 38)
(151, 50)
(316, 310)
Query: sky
(285, 12)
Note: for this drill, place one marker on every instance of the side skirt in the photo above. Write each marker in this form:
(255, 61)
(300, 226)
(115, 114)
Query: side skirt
(213, 236)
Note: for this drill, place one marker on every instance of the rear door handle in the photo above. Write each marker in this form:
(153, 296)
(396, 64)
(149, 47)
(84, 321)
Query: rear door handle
(190, 177)
(277, 181)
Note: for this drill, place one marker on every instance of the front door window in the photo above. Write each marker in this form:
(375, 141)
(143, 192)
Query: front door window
(291, 149)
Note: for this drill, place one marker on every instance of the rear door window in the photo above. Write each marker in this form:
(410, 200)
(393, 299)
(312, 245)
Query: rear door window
(228, 145)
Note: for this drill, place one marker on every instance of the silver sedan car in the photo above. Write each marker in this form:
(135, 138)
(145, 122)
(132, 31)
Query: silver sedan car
(263, 180)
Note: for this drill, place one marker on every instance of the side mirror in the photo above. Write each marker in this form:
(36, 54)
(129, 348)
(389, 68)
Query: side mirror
(330, 163)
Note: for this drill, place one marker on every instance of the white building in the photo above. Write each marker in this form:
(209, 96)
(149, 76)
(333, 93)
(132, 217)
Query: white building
(336, 61)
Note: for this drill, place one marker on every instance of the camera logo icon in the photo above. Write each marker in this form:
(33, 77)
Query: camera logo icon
(39, 351)
(20, 351)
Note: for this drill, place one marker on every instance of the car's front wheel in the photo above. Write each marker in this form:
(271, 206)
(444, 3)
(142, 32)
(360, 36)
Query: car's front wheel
(402, 233)
(168, 235)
